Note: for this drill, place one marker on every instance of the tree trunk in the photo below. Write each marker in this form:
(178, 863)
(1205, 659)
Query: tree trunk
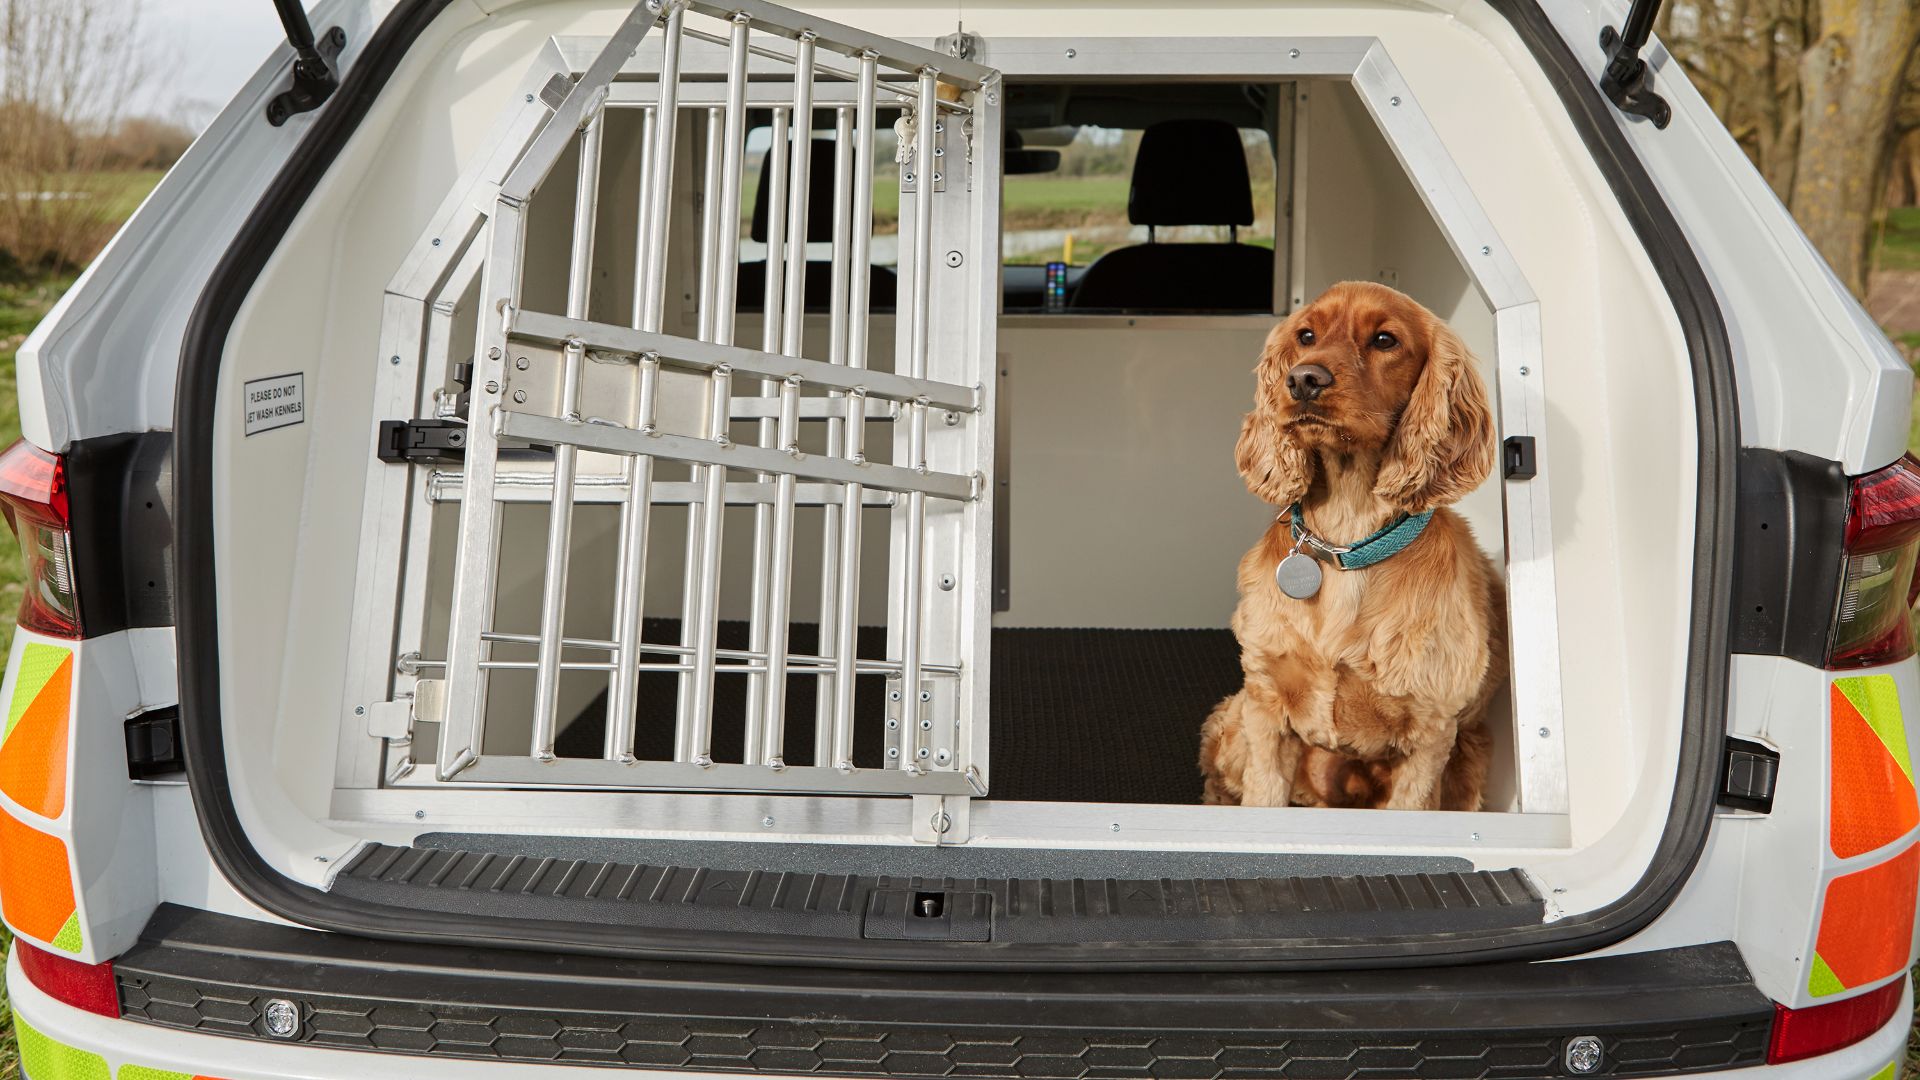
(1850, 78)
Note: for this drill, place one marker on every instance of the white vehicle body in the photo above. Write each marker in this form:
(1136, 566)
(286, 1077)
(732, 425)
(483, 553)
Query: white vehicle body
(1645, 310)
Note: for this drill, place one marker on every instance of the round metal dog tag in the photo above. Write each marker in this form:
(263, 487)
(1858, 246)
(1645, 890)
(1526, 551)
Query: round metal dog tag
(1298, 575)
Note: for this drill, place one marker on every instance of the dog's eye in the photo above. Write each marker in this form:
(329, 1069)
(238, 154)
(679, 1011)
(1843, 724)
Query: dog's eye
(1305, 337)
(1384, 341)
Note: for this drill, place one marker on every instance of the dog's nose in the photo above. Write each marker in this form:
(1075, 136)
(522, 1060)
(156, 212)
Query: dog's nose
(1306, 381)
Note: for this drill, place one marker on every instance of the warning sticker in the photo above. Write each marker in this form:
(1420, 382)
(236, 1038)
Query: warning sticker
(275, 402)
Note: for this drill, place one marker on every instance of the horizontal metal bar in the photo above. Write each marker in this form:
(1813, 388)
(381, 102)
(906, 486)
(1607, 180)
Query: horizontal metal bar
(615, 440)
(871, 666)
(607, 490)
(643, 93)
(793, 61)
(599, 772)
(811, 408)
(736, 662)
(555, 330)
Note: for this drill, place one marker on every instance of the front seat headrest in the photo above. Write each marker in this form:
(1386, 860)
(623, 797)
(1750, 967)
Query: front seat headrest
(1188, 172)
(819, 197)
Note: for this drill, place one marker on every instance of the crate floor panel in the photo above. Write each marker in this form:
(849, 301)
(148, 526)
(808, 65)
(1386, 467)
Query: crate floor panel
(1079, 715)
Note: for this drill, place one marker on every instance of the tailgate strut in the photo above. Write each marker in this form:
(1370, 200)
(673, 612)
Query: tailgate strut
(1627, 81)
(314, 79)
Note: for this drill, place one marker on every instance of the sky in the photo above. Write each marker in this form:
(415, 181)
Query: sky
(203, 51)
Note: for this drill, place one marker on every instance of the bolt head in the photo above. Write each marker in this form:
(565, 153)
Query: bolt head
(1486, 249)
(1523, 371)
(418, 814)
(766, 823)
(1584, 1055)
(1071, 54)
(493, 386)
(359, 710)
(436, 241)
(1393, 101)
(1114, 827)
(394, 360)
(281, 1017)
(1293, 54)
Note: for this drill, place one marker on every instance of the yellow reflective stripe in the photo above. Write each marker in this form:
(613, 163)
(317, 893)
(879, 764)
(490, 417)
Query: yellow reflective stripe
(1878, 699)
(37, 664)
(1821, 980)
(44, 1059)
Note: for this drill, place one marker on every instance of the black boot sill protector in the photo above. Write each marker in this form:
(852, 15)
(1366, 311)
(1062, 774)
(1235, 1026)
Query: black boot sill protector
(1658, 1013)
(989, 913)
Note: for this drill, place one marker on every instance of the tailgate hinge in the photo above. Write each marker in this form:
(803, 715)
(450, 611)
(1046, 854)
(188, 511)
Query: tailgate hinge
(422, 442)
(1748, 772)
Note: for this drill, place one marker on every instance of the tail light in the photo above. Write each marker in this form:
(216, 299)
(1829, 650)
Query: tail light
(83, 986)
(1822, 1029)
(33, 497)
(1877, 589)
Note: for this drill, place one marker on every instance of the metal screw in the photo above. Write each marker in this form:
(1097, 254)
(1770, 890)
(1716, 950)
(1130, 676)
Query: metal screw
(954, 258)
(952, 419)
(1544, 733)
(493, 386)
(359, 710)
(1476, 838)
(521, 363)
(436, 241)
(455, 438)
(993, 99)
(766, 823)
(493, 353)
(1115, 826)
(942, 822)
(395, 360)
(1584, 1055)
(282, 1018)
(1293, 54)
(1523, 371)
(520, 397)
(946, 582)
(1485, 250)
(529, 99)
(419, 814)
(1393, 101)
(1071, 54)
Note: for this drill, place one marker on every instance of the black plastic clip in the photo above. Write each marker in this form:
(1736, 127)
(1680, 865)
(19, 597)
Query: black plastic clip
(421, 442)
(1748, 775)
(1516, 458)
(153, 743)
(315, 77)
(1627, 80)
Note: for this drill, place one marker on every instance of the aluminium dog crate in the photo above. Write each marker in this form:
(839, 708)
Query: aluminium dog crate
(564, 411)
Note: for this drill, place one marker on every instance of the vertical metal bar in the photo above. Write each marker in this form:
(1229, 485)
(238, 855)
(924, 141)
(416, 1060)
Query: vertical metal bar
(836, 426)
(642, 247)
(769, 627)
(732, 149)
(623, 689)
(696, 735)
(780, 583)
(770, 324)
(660, 173)
(839, 751)
(553, 595)
(913, 573)
(710, 226)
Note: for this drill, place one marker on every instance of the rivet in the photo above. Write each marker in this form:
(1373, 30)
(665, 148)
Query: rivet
(954, 258)
(942, 756)
(923, 753)
(993, 99)
(1071, 54)
(907, 177)
(281, 1018)
(1544, 733)
(1293, 54)
(946, 583)
(936, 176)
(893, 751)
(1584, 1055)
(951, 419)
(893, 695)
(926, 695)
(926, 725)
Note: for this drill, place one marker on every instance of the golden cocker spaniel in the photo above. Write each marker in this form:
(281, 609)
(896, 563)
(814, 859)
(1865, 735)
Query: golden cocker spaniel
(1371, 655)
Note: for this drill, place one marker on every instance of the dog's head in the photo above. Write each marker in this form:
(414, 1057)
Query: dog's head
(1365, 371)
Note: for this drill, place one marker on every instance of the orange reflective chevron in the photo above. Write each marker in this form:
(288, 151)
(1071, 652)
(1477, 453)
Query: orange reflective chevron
(1872, 802)
(36, 885)
(1866, 925)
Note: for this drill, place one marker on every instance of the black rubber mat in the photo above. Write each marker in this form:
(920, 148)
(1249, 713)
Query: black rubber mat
(1079, 715)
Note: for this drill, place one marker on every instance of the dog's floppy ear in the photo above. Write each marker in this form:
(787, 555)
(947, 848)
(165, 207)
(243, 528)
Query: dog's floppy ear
(1443, 446)
(1275, 468)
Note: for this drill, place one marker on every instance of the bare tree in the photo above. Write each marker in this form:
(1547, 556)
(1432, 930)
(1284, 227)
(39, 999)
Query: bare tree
(67, 70)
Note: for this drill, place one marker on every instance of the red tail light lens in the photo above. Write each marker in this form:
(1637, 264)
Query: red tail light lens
(83, 986)
(33, 497)
(1877, 587)
(1822, 1029)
